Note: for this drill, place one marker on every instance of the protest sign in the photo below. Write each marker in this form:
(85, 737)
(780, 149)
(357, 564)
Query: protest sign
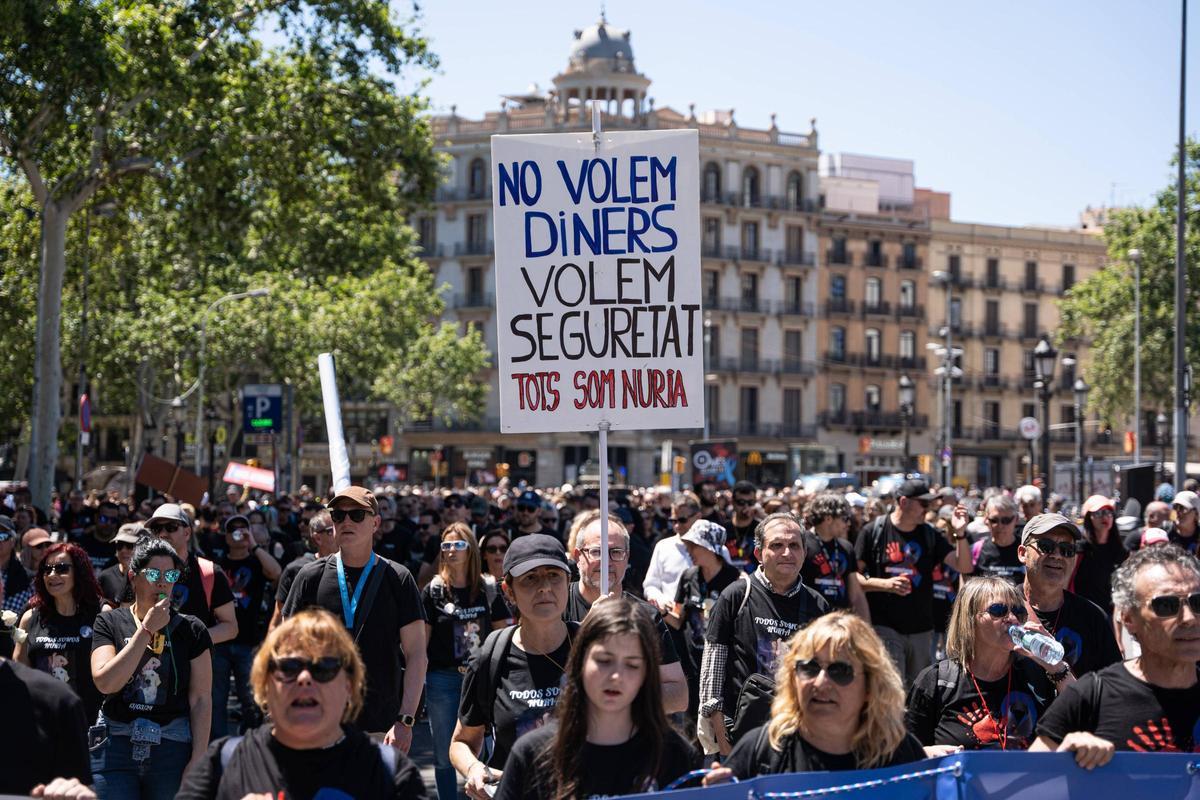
(598, 281)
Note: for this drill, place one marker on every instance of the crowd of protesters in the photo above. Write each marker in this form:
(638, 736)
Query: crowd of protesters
(288, 645)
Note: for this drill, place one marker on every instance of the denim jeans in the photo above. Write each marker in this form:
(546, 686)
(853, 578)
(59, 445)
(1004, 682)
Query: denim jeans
(232, 659)
(442, 690)
(119, 777)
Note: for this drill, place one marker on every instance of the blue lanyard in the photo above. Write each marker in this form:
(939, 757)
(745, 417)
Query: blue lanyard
(350, 605)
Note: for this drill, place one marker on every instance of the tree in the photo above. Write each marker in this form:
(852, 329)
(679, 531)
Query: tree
(1102, 308)
(231, 166)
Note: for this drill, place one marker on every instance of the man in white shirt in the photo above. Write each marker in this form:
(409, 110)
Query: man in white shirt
(670, 557)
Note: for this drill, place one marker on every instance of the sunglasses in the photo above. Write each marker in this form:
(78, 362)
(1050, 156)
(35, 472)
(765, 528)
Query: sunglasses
(840, 672)
(1001, 610)
(738, 502)
(496, 549)
(1169, 605)
(125, 545)
(105, 519)
(527, 509)
(456, 544)
(1049, 547)
(322, 670)
(153, 575)
(679, 520)
(1000, 520)
(164, 527)
(549, 521)
(453, 504)
(321, 530)
(1180, 509)
(56, 569)
(355, 515)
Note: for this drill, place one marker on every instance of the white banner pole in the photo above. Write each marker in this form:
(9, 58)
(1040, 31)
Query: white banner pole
(603, 427)
(339, 461)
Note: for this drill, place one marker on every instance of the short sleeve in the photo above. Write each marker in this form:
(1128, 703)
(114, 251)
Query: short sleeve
(427, 604)
(285, 584)
(499, 610)
(517, 777)
(666, 643)
(864, 544)
(200, 639)
(720, 621)
(222, 594)
(684, 587)
(742, 760)
(409, 606)
(201, 781)
(296, 593)
(921, 713)
(941, 547)
(102, 632)
(1068, 712)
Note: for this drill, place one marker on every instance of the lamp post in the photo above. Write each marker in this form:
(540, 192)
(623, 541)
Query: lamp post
(1135, 256)
(200, 377)
(1081, 390)
(907, 397)
(946, 280)
(1160, 433)
(1044, 357)
(707, 347)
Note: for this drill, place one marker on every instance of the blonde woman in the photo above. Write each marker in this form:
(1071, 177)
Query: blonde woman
(839, 706)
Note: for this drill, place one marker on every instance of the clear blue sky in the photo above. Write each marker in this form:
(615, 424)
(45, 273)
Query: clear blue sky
(1025, 111)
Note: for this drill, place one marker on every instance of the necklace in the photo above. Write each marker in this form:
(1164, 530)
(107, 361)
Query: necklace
(1058, 615)
(1001, 722)
(549, 657)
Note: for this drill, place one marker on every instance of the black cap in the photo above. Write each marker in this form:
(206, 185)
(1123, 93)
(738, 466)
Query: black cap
(534, 550)
(915, 490)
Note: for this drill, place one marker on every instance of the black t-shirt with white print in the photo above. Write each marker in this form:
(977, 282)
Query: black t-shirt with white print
(1128, 712)
(827, 568)
(887, 552)
(757, 634)
(1004, 716)
(999, 562)
(158, 689)
(460, 622)
(526, 689)
(1085, 633)
(578, 607)
(62, 648)
(697, 598)
(247, 583)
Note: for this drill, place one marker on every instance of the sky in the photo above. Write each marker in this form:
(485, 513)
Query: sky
(1025, 111)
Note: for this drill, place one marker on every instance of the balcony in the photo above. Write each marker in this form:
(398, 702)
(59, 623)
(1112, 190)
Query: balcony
(860, 420)
(710, 250)
(910, 312)
(885, 361)
(789, 258)
(749, 364)
(770, 430)
(1064, 287)
(1028, 332)
(988, 432)
(804, 205)
(746, 253)
(431, 250)
(454, 194)
(875, 260)
(994, 330)
(796, 366)
(880, 308)
(794, 308)
(908, 263)
(1032, 286)
(841, 259)
(473, 248)
(744, 305)
(438, 425)
(1029, 381)
(991, 382)
(472, 300)
(834, 358)
(838, 306)
(996, 284)
(962, 281)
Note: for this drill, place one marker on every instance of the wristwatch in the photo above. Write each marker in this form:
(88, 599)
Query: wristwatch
(407, 720)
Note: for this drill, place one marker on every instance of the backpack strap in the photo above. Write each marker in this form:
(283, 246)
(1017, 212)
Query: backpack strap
(374, 580)
(437, 590)
(489, 590)
(208, 578)
(227, 750)
(489, 658)
(745, 576)
(947, 680)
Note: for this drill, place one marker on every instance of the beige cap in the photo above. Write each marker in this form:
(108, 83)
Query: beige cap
(1044, 523)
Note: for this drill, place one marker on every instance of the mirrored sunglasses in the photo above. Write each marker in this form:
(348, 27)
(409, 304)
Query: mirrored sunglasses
(456, 544)
(154, 575)
(1001, 610)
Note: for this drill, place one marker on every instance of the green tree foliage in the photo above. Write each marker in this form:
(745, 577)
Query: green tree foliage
(232, 167)
(1102, 307)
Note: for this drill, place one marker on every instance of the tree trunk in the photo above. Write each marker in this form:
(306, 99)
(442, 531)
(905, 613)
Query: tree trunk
(47, 368)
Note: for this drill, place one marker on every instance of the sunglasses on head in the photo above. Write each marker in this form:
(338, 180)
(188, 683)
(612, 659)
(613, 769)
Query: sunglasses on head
(496, 549)
(355, 515)
(1001, 610)
(840, 672)
(455, 544)
(154, 574)
(1000, 520)
(322, 670)
(62, 568)
(1050, 547)
(158, 528)
(1169, 605)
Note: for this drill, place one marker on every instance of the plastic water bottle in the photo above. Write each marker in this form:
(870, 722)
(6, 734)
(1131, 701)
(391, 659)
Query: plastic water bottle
(1045, 648)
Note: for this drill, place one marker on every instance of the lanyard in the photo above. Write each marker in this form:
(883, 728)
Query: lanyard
(1000, 722)
(349, 604)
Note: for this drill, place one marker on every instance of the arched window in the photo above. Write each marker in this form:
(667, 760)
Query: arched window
(873, 345)
(837, 343)
(873, 292)
(477, 178)
(712, 183)
(908, 345)
(908, 294)
(795, 190)
(750, 186)
(837, 398)
(873, 400)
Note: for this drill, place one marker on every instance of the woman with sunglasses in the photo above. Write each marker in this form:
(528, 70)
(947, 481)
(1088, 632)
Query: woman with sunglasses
(310, 682)
(1102, 552)
(462, 606)
(839, 705)
(609, 735)
(59, 622)
(987, 693)
(154, 667)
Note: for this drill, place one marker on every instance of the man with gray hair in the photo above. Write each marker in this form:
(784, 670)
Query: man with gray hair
(1150, 703)
(996, 554)
(1029, 498)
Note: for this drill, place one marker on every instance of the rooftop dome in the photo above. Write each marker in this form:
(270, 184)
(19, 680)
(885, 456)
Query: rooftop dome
(602, 41)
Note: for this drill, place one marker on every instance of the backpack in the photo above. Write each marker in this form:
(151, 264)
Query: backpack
(490, 658)
(208, 578)
(755, 696)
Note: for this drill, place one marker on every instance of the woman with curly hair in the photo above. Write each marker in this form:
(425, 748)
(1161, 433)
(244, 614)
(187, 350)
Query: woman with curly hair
(839, 706)
(59, 622)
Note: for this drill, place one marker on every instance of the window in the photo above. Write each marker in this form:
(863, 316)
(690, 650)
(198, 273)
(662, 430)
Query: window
(713, 334)
(427, 232)
(908, 294)
(991, 416)
(1031, 321)
(795, 190)
(749, 291)
(873, 291)
(794, 294)
(837, 343)
(837, 398)
(750, 240)
(795, 243)
(872, 341)
(710, 287)
(712, 401)
(872, 400)
(1031, 276)
(837, 287)
(956, 418)
(875, 254)
(1066, 414)
(712, 236)
(792, 408)
(837, 253)
(1067, 364)
(908, 256)
(750, 193)
(748, 409)
(908, 345)
(476, 233)
(1029, 366)
(475, 286)
(1029, 410)
(993, 272)
(793, 350)
(477, 179)
(712, 183)
(954, 266)
(955, 313)
(749, 348)
(991, 317)
(991, 361)
(1068, 276)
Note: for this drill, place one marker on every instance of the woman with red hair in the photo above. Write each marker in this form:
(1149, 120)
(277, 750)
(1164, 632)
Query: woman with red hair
(59, 621)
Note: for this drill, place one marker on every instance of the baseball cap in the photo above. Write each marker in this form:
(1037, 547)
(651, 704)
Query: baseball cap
(529, 498)
(1187, 500)
(707, 534)
(233, 519)
(532, 551)
(1097, 502)
(856, 500)
(915, 490)
(35, 536)
(479, 506)
(170, 512)
(359, 496)
(1154, 536)
(130, 532)
(1045, 523)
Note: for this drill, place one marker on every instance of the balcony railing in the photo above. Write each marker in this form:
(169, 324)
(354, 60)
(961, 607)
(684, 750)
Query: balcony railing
(790, 258)
(889, 420)
(910, 312)
(746, 305)
(772, 430)
(750, 364)
(432, 250)
(994, 330)
(962, 281)
(988, 382)
(880, 308)
(797, 366)
(771, 202)
(833, 257)
(987, 432)
(794, 308)
(709, 250)
(885, 361)
(1063, 288)
(835, 358)
(838, 305)
(997, 284)
(1028, 332)
(474, 300)
(745, 253)
(450, 194)
(875, 260)
(908, 263)
(1033, 286)
(476, 248)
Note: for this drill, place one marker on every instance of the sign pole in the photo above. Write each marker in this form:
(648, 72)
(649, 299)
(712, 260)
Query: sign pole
(339, 461)
(603, 427)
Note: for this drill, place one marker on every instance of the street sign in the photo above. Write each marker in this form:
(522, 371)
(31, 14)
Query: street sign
(1030, 428)
(262, 408)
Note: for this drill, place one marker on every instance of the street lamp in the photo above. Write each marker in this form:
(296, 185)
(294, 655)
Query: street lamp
(1044, 357)
(908, 393)
(200, 377)
(946, 280)
(1160, 433)
(1135, 256)
(1081, 390)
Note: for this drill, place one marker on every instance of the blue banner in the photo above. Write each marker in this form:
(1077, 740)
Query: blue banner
(986, 774)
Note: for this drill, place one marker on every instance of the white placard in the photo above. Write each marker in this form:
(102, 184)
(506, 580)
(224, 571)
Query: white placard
(598, 281)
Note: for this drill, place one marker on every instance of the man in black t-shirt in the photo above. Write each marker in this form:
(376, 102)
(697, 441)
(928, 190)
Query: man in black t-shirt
(1083, 629)
(582, 594)
(996, 554)
(897, 554)
(204, 592)
(1150, 703)
(751, 622)
(318, 536)
(739, 531)
(830, 565)
(115, 579)
(386, 619)
(525, 518)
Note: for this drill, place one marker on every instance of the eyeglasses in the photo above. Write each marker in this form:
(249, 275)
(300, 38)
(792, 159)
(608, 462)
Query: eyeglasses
(679, 520)
(322, 670)
(355, 515)
(154, 575)
(1181, 509)
(840, 672)
(1169, 605)
(1001, 610)
(1000, 520)
(614, 553)
(496, 549)
(62, 568)
(742, 502)
(163, 527)
(456, 544)
(321, 530)
(1102, 512)
(1050, 547)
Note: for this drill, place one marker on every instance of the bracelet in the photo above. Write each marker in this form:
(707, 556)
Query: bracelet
(1059, 677)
